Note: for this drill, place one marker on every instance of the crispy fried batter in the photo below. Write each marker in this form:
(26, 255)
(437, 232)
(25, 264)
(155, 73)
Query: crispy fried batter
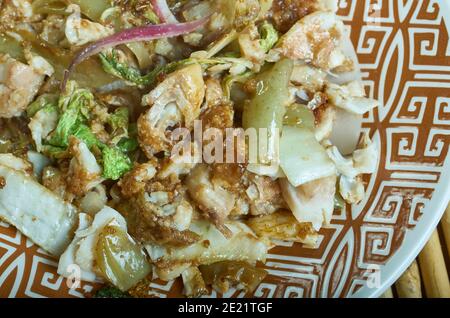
(264, 194)
(160, 214)
(287, 12)
(135, 180)
(174, 103)
(84, 171)
(220, 117)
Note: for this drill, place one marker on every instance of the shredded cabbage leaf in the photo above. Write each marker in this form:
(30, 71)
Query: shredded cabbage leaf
(269, 36)
(115, 163)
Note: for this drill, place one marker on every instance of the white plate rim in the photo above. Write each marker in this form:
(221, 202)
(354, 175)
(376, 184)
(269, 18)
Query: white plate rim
(416, 239)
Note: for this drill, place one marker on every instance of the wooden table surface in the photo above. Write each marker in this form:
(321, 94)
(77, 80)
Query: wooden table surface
(428, 275)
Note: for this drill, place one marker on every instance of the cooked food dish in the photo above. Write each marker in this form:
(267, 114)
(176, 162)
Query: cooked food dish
(177, 139)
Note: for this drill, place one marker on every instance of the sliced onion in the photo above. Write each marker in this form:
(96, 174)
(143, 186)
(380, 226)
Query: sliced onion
(143, 33)
(163, 12)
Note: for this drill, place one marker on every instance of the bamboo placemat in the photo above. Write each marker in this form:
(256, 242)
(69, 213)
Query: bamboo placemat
(428, 275)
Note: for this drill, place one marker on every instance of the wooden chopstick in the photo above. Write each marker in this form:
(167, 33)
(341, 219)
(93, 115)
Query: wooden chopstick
(388, 293)
(433, 269)
(445, 225)
(408, 285)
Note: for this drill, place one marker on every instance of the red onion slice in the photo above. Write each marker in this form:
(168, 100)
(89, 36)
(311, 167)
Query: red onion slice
(144, 33)
(163, 12)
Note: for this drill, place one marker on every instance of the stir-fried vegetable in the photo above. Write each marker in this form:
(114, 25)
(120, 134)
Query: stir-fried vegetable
(226, 274)
(93, 9)
(110, 292)
(74, 105)
(230, 80)
(115, 163)
(41, 102)
(243, 245)
(74, 108)
(36, 211)
(283, 226)
(302, 158)
(143, 33)
(12, 47)
(269, 36)
(163, 12)
(49, 7)
(298, 115)
(267, 109)
(120, 259)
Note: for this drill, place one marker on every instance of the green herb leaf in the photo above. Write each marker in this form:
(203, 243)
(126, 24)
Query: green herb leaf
(128, 145)
(83, 133)
(113, 66)
(40, 103)
(111, 292)
(269, 36)
(115, 163)
(75, 105)
(119, 119)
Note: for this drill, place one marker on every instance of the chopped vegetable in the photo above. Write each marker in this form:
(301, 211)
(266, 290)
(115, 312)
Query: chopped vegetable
(226, 274)
(49, 7)
(230, 80)
(115, 163)
(194, 285)
(243, 245)
(120, 259)
(74, 105)
(267, 109)
(298, 115)
(128, 145)
(40, 103)
(112, 66)
(312, 202)
(83, 133)
(302, 158)
(144, 33)
(36, 211)
(163, 12)
(283, 226)
(93, 9)
(119, 119)
(269, 36)
(111, 292)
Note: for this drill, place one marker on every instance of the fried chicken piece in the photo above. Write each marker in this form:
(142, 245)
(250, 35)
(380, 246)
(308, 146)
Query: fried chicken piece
(161, 218)
(211, 198)
(135, 181)
(264, 195)
(19, 84)
(312, 202)
(285, 13)
(316, 38)
(173, 103)
(84, 171)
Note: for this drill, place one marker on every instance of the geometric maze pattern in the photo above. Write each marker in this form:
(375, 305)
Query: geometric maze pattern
(404, 52)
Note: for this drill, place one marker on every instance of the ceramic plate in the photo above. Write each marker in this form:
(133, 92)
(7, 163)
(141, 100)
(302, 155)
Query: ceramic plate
(404, 52)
